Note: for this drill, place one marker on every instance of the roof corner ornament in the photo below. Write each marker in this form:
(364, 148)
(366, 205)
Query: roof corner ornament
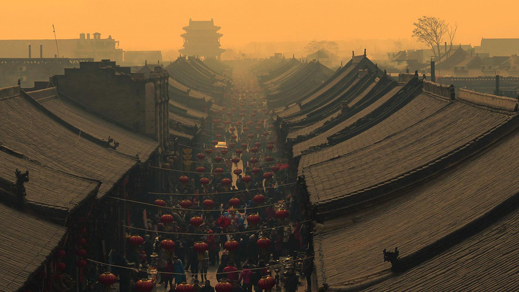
(19, 188)
(392, 257)
(112, 143)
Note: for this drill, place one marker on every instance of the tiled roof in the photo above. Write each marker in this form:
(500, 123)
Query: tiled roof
(48, 187)
(322, 137)
(418, 109)
(27, 130)
(192, 112)
(130, 143)
(485, 262)
(450, 128)
(25, 243)
(421, 217)
(180, 134)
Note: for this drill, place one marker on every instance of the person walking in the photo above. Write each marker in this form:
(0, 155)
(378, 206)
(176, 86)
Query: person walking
(245, 276)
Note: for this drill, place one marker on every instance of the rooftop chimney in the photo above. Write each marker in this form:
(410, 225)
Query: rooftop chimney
(41, 51)
(29, 51)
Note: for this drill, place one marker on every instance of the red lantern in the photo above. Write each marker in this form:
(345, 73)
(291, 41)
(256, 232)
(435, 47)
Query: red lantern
(219, 128)
(209, 151)
(267, 175)
(61, 266)
(239, 151)
(234, 202)
(136, 240)
(196, 221)
(81, 252)
(200, 156)
(237, 171)
(200, 247)
(250, 136)
(235, 160)
(253, 219)
(226, 181)
(257, 144)
(245, 129)
(159, 202)
(224, 152)
(166, 165)
(81, 263)
(271, 142)
(244, 145)
(186, 203)
(218, 170)
(246, 179)
(200, 169)
(204, 181)
(217, 121)
(231, 245)
(232, 145)
(269, 158)
(274, 168)
(237, 123)
(258, 128)
(223, 287)
(254, 149)
(81, 242)
(253, 160)
(256, 170)
(266, 283)
(166, 218)
(183, 179)
(184, 287)
(259, 199)
(218, 137)
(107, 279)
(264, 243)
(266, 134)
(144, 285)
(282, 213)
(208, 203)
(270, 147)
(234, 137)
(168, 245)
(218, 159)
(232, 129)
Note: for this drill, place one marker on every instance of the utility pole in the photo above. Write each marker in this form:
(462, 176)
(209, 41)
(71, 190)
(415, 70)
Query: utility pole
(55, 38)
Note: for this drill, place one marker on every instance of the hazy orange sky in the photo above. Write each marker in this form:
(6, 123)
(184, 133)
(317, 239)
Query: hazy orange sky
(157, 24)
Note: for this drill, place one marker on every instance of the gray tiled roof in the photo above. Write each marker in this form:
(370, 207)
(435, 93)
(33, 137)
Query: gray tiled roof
(322, 137)
(418, 109)
(25, 243)
(130, 143)
(27, 130)
(424, 215)
(454, 126)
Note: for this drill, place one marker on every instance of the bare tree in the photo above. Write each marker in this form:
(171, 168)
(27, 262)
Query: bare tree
(452, 33)
(431, 30)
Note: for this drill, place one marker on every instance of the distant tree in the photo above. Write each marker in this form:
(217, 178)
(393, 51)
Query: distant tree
(431, 31)
(314, 46)
(452, 33)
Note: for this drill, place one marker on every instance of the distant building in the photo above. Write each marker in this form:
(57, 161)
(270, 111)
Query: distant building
(84, 47)
(34, 69)
(499, 47)
(139, 58)
(202, 39)
(128, 99)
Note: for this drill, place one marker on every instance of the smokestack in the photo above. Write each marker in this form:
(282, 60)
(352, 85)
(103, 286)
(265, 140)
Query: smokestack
(433, 71)
(364, 52)
(41, 51)
(496, 92)
(352, 54)
(29, 51)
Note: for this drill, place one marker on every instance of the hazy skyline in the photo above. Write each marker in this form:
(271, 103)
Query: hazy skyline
(157, 24)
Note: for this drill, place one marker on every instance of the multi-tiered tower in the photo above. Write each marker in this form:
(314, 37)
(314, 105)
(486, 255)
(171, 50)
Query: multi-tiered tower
(202, 39)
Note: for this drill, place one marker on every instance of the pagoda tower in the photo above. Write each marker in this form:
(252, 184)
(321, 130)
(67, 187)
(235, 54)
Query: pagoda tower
(202, 39)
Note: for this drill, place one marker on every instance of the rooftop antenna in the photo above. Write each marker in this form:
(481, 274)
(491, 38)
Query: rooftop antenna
(55, 38)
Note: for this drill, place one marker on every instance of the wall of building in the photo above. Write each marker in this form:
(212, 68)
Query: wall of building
(116, 96)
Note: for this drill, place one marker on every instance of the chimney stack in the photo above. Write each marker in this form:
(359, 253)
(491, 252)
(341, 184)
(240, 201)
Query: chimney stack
(41, 51)
(433, 71)
(29, 51)
(496, 92)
